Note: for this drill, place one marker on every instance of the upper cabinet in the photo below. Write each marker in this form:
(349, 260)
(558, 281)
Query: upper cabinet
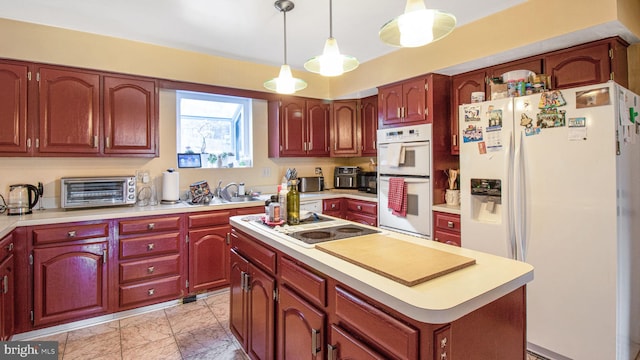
(409, 102)
(369, 125)
(61, 111)
(13, 107)
(298, 128)
(345, 129)
(588, 64)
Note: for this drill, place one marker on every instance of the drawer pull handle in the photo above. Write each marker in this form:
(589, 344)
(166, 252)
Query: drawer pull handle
(151, 269)
(71, 233)
(331, 353)
(450, 224)
(151, 226)
(10, 247)
(150, 292)
(150, 246)
(315, 335)
(359, 207)
(5, 284)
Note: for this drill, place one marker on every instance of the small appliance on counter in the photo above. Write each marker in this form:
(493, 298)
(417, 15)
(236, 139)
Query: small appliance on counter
(368, 182)
(311, 184)
(22, 199)
(88, 192)
(346, 177)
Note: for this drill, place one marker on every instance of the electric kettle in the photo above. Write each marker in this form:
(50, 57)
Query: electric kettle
(22, 198)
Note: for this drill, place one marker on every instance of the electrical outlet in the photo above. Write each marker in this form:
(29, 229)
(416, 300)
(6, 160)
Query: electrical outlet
(266, 172)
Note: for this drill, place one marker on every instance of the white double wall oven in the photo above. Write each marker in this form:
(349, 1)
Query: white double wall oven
(405, 152)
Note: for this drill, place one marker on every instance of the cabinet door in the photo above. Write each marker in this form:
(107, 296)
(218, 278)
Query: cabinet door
(7, 296)
(390, 104)
(261, 314)
(69, 282)
(300, 328)
(369, 125)
(208, 258)
(130, 119)
(69, 111)
(579, 66)
(532, 64)
(13, 108)
(413, 94)
(238, 299)
(344, 347)
(345, 129)
(318, 128)
(292, 127)
(462, 86)
(362, 218)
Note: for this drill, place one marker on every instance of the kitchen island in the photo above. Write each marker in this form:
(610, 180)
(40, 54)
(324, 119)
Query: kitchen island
(327, 304)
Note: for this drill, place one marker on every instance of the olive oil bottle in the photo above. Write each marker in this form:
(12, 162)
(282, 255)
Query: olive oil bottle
(293, 204)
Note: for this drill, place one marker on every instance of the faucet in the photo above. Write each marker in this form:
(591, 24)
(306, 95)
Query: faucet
(225, 191)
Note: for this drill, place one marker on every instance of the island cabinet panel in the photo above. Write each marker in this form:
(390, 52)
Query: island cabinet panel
(151, 260)
(79, 271)
(311, 285)
(7, 287)
(344, 346)
(14, 134)
(393, 337)
(301, 328)
(209, 245)
(130, 118)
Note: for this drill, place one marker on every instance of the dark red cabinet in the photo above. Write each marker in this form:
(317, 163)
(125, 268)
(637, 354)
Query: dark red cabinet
(298, 127)
(7, 287)
(403, 103)
(369, 125)
(345, 129)
(208, 258)
(301, 328)
(13, 107)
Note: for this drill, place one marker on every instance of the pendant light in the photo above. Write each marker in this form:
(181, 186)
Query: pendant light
(285, 83)
(331, 62)
(418, 26)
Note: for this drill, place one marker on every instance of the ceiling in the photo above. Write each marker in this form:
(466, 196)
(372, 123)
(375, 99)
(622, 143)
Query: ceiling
(249, 30)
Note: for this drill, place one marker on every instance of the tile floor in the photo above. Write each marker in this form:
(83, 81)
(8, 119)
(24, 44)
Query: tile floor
(197, 330)
(193, 331)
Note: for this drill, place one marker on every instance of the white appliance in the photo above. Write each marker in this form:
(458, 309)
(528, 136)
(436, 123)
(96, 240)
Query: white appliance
(565, 199)
(405, 152)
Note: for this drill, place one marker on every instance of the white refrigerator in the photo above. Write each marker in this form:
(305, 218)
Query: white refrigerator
(553, 179)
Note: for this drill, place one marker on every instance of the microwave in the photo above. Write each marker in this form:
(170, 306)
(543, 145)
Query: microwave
(88, 192)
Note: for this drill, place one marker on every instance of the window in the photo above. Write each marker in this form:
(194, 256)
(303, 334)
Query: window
(217, 127)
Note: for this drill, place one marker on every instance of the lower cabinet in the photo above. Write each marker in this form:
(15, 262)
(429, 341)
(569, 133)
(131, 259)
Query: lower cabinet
(446, 228)
(301, 333)
(209, 250)
(150, 260)
(7, 288)
(252, 305)
(70, 272)
(364, 212)
(343, 346)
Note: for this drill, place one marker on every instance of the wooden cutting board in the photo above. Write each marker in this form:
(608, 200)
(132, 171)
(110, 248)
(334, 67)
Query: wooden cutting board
(401, 261)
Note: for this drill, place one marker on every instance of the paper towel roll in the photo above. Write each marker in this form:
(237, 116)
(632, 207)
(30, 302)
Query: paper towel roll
(170, 186)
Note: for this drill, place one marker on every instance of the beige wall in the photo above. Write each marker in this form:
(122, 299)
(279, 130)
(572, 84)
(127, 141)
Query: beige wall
(493, 35)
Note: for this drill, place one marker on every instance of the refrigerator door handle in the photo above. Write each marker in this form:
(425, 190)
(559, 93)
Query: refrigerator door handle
(518, 199)
(509, 198)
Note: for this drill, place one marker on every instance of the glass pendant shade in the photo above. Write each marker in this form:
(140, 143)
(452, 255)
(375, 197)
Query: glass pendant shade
(331, 62)
(418, 26)
(285, 83)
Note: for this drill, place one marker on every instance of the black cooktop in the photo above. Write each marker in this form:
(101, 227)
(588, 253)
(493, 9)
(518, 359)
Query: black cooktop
(314, 236)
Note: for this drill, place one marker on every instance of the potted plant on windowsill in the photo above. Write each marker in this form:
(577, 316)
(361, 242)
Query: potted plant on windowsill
(220, 160)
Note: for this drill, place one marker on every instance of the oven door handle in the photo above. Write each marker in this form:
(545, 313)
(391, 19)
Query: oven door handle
(409, 180)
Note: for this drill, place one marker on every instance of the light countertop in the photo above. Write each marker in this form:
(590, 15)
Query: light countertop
(440, 300)
(451, 209)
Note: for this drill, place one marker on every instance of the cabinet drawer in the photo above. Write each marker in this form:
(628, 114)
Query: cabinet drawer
(257, 253)
(310, 285)
(446, 237)
(151, 268)
(151, 291)
(150, 245)
(331, 205)
(362, 219)
(365, 207)
(69, 232)
(349, 347)
(209, 219)
(379, 328)
(6, 246)
(151, 224)
(444, 221)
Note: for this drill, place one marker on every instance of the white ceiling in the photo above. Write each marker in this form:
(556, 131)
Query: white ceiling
(240, 29)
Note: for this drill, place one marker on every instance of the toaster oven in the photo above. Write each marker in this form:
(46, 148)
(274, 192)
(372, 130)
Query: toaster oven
(88, 192)
(346, 177)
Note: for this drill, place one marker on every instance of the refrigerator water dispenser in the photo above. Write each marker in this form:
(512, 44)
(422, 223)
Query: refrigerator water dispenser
(486, 200)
